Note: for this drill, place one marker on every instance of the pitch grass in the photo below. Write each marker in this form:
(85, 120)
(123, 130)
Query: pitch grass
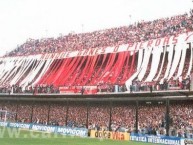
(13, 136)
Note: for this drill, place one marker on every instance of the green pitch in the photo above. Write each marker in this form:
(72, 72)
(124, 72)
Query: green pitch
(13, 136)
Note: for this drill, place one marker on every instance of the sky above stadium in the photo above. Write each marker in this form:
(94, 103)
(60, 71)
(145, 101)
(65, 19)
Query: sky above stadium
(36, 19)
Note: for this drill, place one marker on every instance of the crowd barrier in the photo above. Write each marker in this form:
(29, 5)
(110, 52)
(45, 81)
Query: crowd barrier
(82, 132)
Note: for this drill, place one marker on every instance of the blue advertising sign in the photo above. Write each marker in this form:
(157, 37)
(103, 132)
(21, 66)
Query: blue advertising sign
(4, 124)
(156, 139)
(83, 132)
(19, 125)
(43, 128)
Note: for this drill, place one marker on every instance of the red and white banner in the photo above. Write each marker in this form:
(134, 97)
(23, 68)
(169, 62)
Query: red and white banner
(145, 61)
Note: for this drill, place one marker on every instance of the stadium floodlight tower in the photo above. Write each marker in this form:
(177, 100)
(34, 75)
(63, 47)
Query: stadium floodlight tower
(6, 115)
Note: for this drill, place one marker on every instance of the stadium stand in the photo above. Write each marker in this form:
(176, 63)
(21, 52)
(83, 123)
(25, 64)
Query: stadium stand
(44, 65)
(69, 65)
(97, 116)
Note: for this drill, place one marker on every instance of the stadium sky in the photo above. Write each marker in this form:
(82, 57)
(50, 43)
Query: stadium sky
(23, 19)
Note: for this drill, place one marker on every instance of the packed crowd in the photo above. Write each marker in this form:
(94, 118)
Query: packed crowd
(137, 86)
(157, 86)
(99, 117)
(121, 117)
(77, 118)
(137, 32)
